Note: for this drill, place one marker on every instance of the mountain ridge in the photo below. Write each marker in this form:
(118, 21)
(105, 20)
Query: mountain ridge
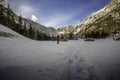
(102, 23)
(23, 25)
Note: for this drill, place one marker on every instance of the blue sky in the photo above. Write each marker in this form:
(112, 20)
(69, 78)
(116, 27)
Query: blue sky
(57, 13)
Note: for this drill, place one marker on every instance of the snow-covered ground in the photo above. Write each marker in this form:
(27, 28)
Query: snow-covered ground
(25, 59)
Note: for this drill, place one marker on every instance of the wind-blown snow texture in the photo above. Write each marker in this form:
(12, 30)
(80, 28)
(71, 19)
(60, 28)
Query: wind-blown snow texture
(25, 59)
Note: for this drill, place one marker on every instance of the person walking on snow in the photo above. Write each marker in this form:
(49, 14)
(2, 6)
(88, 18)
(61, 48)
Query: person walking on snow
(58, 38)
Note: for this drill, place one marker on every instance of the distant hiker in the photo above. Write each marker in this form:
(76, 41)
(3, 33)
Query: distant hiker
(58, 38)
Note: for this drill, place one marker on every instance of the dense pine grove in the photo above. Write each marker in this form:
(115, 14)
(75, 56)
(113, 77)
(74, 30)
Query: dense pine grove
(7, 18)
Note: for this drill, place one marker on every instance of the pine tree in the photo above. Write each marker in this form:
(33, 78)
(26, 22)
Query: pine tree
(25, 30)
(12, 23)
(20, 20)
(8, 21)
(31, 32)
(38, 36)
(1, 15)
(35, 36)
(70, 35)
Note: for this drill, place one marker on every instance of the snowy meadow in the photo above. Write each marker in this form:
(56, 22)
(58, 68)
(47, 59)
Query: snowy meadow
(25, 59)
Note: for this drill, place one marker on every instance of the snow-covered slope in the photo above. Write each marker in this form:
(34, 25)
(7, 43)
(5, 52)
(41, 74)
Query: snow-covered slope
(25, 59)
(41, 27)
(66, 30)
(105, 19)
(6, 32)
